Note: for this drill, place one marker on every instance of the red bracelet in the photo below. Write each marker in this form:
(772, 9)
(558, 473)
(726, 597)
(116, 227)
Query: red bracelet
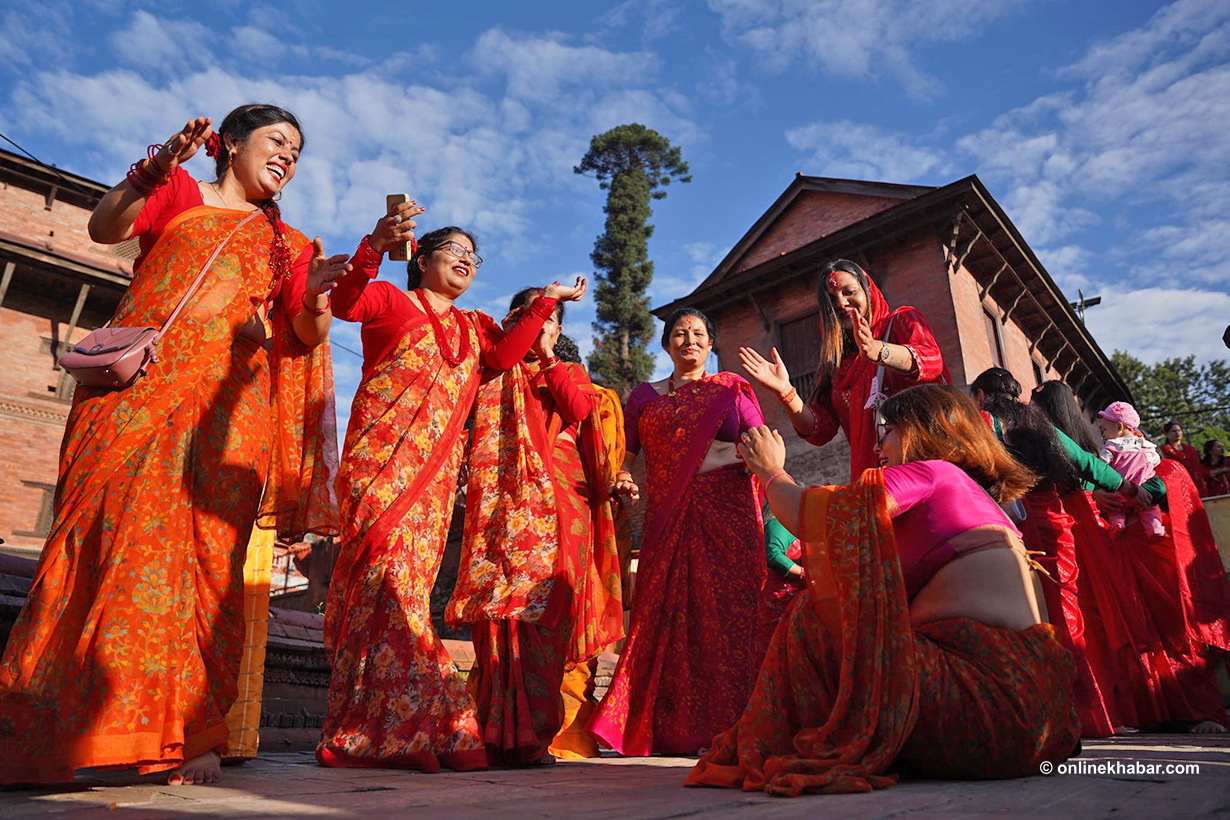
(776, 476)
(549, 362)
(789, 398)
(317, 311)
(147, 176)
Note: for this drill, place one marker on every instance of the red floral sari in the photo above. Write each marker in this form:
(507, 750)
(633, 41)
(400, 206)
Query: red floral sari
(688, 665)
(539, 575)
(395, 698)
(850, 687)
(127, 651)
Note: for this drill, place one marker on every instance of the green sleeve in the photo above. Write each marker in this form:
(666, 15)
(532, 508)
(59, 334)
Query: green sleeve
(1157, 489)
(1093, 469)
(777, 539)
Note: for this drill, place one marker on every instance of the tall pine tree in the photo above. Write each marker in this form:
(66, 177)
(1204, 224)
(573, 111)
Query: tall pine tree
(635, 164)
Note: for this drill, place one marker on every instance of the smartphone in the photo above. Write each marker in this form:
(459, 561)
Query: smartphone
(402, 252)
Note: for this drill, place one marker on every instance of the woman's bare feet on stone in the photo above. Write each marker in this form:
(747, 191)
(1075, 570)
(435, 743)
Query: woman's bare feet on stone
(1208, 727)
(199, 771)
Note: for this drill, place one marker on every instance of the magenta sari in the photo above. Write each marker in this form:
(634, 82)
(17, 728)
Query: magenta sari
(689, 663)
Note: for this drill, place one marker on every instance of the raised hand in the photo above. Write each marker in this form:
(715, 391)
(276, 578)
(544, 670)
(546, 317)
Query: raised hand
(183, 145)
(323, 272)
(564, 293)
(770, 375)
(395, 229)
(868, 344)
(763, 451)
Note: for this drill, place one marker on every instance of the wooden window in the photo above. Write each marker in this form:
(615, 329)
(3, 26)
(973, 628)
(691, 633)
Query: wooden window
(994, 337)
(1038, 377)
(799, 346)
(46, 510)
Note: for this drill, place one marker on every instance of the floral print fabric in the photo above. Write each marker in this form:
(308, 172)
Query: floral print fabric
(395, 698)
(127, 651)
(849, 688)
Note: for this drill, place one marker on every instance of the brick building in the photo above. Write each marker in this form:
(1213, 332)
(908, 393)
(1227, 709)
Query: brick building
(56, 285)
(951, 252)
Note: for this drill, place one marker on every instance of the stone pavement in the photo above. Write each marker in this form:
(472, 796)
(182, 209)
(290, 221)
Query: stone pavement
(290, 784)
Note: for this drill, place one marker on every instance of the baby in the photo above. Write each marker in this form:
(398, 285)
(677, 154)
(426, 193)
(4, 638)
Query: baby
(1132, 456)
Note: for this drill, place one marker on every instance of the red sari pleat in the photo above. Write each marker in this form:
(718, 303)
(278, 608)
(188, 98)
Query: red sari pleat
(849, 688)
(128, 648)
(1186, 596)
(689, 662)
(396, 699)
(1048, 530)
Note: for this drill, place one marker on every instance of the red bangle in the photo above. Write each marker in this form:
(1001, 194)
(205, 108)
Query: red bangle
(317, 311)
(548, 362)
(789, 398)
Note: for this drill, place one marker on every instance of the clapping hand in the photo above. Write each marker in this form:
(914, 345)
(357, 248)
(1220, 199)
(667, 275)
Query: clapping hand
(395, 229)
(323, 271)
(183, 145)
(564, 293)
(770, 375)
(868, 345)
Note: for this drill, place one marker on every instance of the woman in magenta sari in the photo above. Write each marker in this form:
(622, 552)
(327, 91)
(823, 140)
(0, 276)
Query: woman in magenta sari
(689, 663)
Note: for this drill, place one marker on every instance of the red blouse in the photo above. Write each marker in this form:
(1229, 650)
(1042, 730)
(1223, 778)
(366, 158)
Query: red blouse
(384, 309)
(180, 193)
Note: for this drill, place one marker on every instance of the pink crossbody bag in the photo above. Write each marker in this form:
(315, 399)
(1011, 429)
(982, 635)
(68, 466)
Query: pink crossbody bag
(112, 358)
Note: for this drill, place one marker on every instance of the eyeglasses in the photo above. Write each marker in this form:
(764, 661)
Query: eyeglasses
(461, 252)
(881, 432)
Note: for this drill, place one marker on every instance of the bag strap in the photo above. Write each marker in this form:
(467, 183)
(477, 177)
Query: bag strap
(204, 270)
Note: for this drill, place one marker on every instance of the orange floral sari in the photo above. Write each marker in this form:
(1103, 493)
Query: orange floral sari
(395, 698)
(850, 688)
(127, 651)
(539, 576)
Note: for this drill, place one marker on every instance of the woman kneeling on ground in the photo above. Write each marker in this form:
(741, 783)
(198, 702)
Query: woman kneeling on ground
(919, 644)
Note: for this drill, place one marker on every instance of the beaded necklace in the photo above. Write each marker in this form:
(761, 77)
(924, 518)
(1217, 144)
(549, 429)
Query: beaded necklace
(437, 328)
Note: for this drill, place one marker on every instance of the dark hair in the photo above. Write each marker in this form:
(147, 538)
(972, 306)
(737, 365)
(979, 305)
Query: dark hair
(683, 313)
(429, 243)
(239, 125)
(833, 339)
(524, 296)
(1029, 434)
(936, 421)
(1058, 402)
(566, 349)
(1207, 461)
(1170, 425)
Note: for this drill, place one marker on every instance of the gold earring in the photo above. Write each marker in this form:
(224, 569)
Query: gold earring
(277, 197)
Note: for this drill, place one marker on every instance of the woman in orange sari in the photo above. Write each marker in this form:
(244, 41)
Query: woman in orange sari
(127, 651)
(396, 700)
(688, 665)
(539, 577)
(918, 644)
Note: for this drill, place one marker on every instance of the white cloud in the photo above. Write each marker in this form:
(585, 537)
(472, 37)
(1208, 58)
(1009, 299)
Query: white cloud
(843, 148)
(1161, 323)
(860, 39)
(1067, 266)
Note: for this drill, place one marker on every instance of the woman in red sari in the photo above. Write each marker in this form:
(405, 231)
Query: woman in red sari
(1179, 450)
(1214, 471)
(127, 651)
(918, 644)
(1185, 597)
(539, 577)
(858, 335)
(688, 664)
(395, 698)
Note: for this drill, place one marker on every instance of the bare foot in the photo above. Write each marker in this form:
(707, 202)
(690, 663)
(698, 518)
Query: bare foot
(198, 771)
(547, 759)
(1208, 727)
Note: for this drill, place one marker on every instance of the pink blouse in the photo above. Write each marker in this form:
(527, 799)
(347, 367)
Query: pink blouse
(932, 503)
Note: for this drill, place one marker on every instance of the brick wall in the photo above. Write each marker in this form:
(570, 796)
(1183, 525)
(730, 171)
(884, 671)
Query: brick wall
(23, 212)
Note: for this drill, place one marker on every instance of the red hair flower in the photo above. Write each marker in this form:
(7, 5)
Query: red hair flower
(213, 144)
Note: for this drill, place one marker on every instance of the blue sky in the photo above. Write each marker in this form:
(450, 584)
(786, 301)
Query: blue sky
(1100, 126)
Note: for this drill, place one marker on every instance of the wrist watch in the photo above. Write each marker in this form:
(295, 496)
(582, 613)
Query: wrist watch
(883, 354)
